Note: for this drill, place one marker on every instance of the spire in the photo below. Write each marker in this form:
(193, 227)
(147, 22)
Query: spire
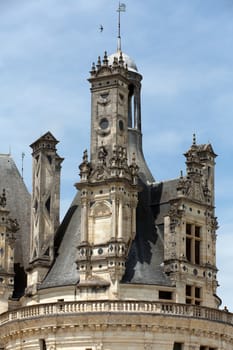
(121, 8)
(194, 139)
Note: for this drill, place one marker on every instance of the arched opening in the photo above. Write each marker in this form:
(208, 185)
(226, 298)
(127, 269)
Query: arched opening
(130, 106)
(134, 107)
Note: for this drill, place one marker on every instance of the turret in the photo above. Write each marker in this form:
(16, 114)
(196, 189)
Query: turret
(190, 230)
(8, 227)
(45, 207)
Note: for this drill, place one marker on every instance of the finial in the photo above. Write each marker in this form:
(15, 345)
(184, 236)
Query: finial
(194, 139)
(121, 8)
(121, 60)
(115, 62)
(85, 156)
(98, 63)
(181, 174)
(93, 70)
(105, 60)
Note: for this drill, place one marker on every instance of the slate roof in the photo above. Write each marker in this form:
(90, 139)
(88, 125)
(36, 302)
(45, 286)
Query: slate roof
(18, 203)
(64, 270)
(146, 256)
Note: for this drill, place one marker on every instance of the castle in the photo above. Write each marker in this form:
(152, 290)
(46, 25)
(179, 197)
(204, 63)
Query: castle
(133, 263)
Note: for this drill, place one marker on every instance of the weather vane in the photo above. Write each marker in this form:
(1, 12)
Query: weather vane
(121, 8)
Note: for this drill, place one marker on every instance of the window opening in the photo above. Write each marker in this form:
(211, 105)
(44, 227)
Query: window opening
(193, 243)
(178, 346)
(193, 295)
(130, 106)
(42, 344)
(49, 158)
(48, 204)
(167, 295)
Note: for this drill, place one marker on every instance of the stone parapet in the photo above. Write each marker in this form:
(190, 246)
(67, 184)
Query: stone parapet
(131, 307)
(110, 325)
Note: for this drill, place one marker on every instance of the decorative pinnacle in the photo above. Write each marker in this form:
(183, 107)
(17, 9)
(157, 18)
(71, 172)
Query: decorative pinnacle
(105, 60)
(93, 68)
(98, 63)
(85, 156)
(121, 60)
(194, 139)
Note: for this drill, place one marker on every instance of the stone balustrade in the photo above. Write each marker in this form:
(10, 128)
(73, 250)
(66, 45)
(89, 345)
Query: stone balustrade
(131, 307)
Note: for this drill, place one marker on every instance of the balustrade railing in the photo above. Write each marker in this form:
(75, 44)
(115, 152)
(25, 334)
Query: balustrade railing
(81, 307)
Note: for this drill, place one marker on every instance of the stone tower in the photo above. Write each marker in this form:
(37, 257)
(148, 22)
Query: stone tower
(109, 182)
(45, 206)
(190, 231)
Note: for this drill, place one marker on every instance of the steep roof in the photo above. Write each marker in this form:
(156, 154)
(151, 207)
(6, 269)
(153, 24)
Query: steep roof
(146, 256)
(18, 203)
(145, 260)
(64, 270)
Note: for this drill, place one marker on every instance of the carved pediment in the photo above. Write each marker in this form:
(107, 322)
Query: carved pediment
(100, 173)
(192, 189)
(104, 70)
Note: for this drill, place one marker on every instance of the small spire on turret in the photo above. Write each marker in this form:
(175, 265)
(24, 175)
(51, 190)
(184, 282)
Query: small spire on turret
(105, 60)
(98, 63)
(93, 70)
(85, 156)
(121, 60)
(115, 62)
(194, 139)
(84, 167)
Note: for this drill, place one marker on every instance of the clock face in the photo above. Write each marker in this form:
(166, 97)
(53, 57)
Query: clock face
(104, 124)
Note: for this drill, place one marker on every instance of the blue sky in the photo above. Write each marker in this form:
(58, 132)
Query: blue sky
(182, 48)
